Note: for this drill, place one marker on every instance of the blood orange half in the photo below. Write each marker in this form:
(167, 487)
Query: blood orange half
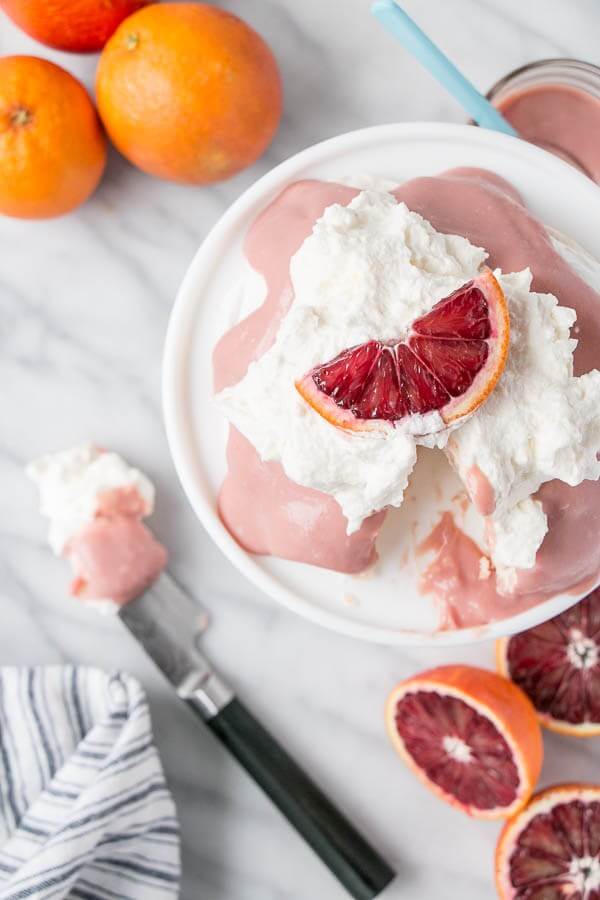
(551, 849)
(557, 664)
(469, 735)
(449, 362)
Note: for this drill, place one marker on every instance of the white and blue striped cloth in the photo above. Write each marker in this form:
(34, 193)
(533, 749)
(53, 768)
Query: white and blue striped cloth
(84, 809)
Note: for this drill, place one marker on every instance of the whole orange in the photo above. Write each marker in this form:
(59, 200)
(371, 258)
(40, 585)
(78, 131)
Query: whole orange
(188, 92)
(52, 149)
(78, 25)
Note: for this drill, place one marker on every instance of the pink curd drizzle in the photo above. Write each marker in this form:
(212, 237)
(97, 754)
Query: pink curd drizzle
(480, 491)
(262, 508)
(115, 556)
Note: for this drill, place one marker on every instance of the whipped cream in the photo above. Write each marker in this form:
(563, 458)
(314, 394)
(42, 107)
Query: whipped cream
(515, 537)
(71, 484)
(540, 423)
(367, 270)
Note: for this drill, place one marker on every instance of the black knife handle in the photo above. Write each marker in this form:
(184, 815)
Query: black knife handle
(360, 868)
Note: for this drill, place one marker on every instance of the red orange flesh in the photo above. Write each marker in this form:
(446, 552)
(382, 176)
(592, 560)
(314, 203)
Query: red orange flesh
(551, 849)
(471, 736)
(449, 362)
(557, 664)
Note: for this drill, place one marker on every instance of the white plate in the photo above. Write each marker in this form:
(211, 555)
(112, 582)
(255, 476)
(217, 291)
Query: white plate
(383, 605)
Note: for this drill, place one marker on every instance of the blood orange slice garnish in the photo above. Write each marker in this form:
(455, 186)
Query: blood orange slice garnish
(469, 735)
(449, 362)
(557, 664)
(551, 849)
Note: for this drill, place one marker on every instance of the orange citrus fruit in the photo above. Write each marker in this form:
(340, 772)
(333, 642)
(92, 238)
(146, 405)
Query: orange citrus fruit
(551, 849)
(469, 735)
(449, 362)
(52, 149)
(188, 92)
(81, 26)
(557, 664)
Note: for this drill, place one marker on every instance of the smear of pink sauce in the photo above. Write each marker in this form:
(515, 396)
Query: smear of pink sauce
(480, 491)
(115, 557)
(454, 577)
(461, 500)
(262, 513)
(463, 583)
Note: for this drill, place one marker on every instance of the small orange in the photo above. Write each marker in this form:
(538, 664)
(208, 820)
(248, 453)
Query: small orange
(188, 92)
(81, 26)
(52, 150)
(471, 736)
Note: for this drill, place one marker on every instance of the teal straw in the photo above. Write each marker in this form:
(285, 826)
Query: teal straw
(402, 27)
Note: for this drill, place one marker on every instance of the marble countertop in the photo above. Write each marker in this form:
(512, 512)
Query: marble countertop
(84, 303)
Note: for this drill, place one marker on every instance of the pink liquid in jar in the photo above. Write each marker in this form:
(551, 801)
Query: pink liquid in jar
(556, 105)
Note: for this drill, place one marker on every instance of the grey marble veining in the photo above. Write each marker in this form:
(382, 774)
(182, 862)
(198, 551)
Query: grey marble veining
(84, 302)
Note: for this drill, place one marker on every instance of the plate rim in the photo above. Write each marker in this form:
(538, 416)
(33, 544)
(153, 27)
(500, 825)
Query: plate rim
(178, 430)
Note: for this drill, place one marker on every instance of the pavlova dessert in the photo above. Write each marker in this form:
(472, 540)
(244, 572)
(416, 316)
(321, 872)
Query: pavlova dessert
(438, 313)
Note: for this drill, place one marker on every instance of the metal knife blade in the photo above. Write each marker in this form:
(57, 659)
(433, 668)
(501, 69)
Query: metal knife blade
(169, 625)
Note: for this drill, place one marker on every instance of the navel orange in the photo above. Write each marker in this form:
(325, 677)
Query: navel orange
(52, 149)
(81, 26)
(188, 92)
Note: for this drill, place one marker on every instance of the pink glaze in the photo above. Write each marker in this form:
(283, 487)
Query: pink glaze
(489, 212)
(289, 520)
(480, 491)
(115, 557)
(560, 118)
(273, 239)
(265, 511)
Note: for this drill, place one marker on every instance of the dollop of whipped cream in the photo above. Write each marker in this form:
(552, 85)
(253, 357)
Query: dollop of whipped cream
(366, 272)
(96, 502)
(71, 484)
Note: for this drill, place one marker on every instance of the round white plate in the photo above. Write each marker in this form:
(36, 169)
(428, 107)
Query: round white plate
(384, 604)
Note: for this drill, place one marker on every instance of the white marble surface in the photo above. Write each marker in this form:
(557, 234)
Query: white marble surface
(83, 306)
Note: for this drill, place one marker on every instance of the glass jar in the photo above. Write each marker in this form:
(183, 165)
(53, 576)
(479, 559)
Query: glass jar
(555, 103)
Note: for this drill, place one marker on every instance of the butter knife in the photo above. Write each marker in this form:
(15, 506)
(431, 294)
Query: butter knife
(169, 626)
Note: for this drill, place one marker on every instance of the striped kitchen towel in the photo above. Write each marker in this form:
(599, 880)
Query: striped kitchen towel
(84, 809)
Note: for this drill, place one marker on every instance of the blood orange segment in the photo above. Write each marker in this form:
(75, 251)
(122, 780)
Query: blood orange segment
(469, 735)
(464, 314)
(449, 362)
(551, 849)
(557, 664)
